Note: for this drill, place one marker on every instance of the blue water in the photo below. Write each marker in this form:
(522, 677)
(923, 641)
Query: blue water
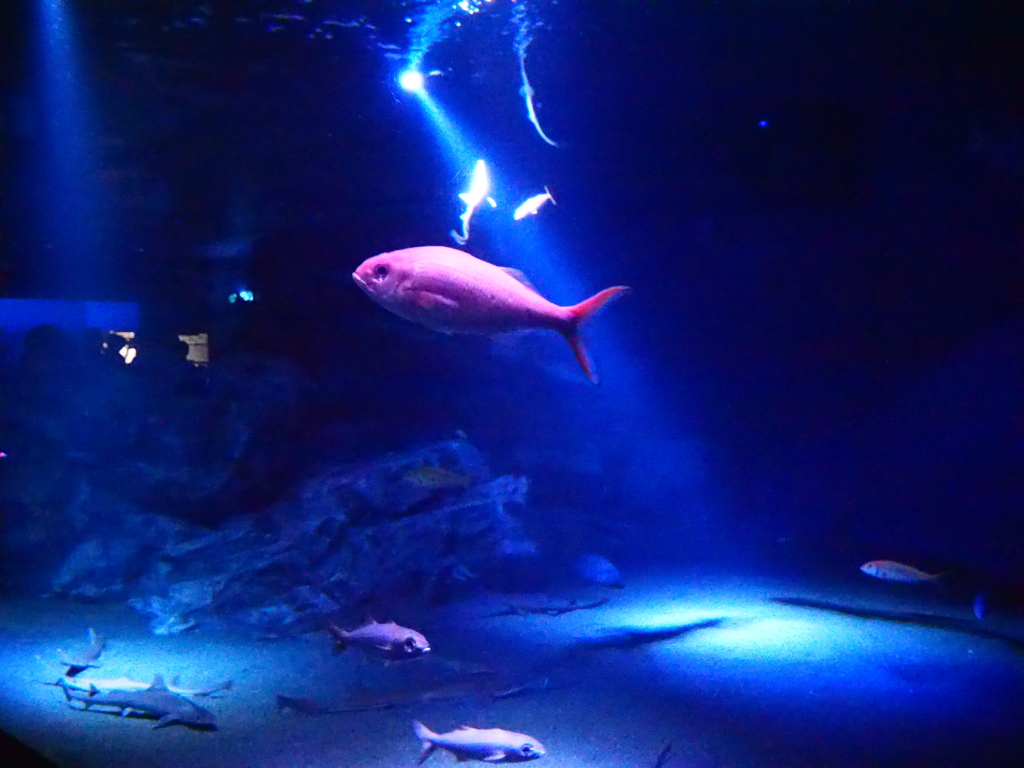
(213, 443)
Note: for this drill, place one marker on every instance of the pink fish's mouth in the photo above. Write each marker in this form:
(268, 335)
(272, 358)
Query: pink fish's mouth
(360, 282)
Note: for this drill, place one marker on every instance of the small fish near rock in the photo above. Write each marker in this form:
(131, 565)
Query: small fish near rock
(889, 570)
(594, 569)
(451, 291)
(388, 641)
(490, 745)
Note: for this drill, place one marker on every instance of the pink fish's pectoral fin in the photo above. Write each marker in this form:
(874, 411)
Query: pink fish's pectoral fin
(495, 757)
(432, 301)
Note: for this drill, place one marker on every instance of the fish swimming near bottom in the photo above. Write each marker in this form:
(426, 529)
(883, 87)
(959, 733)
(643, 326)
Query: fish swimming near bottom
(888, 570)
(155, 701)
(388, 641)
(84, 658)
(491, 745)
(127, 684)
(451, 291)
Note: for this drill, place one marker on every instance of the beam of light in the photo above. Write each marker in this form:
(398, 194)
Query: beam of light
(525, 24)
(460, 151)
(531, 205)
(478, 191)
(69, 220)
(430, 23)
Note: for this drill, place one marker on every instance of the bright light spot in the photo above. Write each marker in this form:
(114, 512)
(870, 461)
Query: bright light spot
(412, 81)
(232, 298)
(128, 353)
(246, 295)
(763, 124)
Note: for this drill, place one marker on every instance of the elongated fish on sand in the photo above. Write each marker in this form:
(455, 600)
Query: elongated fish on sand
(127, 684)
(450, 291)
(156, 701)
(889, 570)
(491, 745)
(83, 659)
(388, 641)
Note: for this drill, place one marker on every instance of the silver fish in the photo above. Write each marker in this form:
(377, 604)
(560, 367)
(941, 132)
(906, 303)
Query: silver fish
(889, 570)
(388, 641)
(491, 745)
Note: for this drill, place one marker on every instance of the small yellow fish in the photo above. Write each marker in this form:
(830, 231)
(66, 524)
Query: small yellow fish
(889, 570)
(436, 477)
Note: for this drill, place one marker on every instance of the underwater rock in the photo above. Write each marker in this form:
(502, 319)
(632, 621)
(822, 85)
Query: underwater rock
(161, 434)
(345, 536)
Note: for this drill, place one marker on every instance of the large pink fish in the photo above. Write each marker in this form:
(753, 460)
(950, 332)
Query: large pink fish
(450, 291)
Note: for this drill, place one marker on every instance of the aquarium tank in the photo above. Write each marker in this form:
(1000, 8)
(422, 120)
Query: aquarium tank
(607, 384)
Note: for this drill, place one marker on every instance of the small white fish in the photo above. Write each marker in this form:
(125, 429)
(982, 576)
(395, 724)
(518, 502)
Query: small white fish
(528, 94)
(478, 191)
(531, 205)
(492, 745)
(889, 570)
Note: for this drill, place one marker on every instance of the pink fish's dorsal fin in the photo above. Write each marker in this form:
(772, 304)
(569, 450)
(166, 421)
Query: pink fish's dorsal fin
(518, 275)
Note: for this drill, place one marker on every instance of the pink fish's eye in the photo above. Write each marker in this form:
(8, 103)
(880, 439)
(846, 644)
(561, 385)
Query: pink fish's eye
(380, 271)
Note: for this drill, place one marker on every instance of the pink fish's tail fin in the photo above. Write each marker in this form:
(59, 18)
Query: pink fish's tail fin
(426, 737)
(579, 314)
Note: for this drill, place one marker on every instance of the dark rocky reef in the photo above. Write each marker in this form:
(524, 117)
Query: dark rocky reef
(193, 494)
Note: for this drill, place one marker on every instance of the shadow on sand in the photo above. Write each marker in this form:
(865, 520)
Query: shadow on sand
(948, 623)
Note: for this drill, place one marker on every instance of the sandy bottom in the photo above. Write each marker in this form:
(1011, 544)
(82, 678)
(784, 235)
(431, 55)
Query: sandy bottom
(848, 675)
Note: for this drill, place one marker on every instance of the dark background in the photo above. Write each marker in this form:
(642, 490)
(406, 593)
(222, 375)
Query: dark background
(827, 309)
